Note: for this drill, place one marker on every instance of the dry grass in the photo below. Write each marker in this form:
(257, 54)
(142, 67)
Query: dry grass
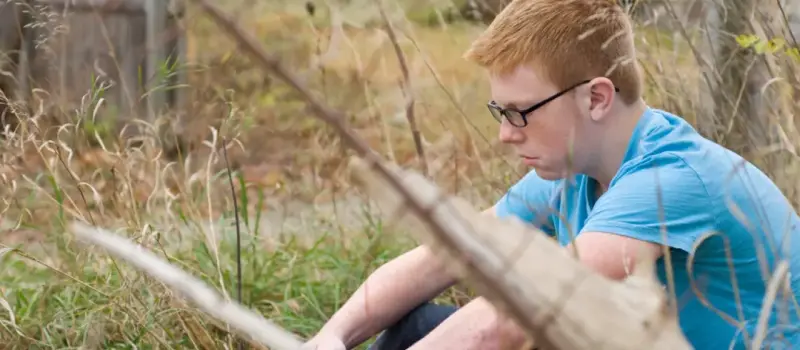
(309, 239)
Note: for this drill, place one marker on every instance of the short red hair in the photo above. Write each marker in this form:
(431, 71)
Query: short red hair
(568, 40)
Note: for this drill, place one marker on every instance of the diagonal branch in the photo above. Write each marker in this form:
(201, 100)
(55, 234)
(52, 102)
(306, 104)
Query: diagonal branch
(270, 63)
(450, 234)
(573, 307)
(244, 321)
(407, 88)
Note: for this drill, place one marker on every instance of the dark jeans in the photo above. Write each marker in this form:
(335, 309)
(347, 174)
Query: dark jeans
(412, 327)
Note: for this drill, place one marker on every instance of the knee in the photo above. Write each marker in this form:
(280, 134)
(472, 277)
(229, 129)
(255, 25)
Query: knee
(412, 327)
(424, 318)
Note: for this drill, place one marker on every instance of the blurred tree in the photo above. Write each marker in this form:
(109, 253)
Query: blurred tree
(10, 39)
(742, 104)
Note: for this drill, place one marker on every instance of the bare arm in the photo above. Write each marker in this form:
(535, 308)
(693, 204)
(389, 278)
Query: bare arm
(476, 326)
(388, 294)
(479, 326)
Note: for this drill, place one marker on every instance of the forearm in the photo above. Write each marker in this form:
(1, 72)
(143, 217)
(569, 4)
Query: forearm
(475, 326)
(387, 294)
(480, 326)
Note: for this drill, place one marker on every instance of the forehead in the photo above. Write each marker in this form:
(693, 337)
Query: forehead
(519, 88)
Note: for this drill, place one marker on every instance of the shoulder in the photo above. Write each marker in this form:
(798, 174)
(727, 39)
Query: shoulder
(652, 193)
(669, 151)
(529, 198)
(662, 181)
(653, 171)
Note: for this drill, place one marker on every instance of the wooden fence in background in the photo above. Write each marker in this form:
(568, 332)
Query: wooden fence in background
(133, 49)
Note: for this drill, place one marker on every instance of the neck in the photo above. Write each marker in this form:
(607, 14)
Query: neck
(614, 143)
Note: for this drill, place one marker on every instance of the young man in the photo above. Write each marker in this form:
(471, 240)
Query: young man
(611, 176)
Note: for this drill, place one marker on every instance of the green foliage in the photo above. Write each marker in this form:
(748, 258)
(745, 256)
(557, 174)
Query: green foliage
(297, 285)
(771, 46)
(94, 128)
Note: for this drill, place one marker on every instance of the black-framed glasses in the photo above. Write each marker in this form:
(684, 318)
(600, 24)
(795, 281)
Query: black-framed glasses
(520, 118)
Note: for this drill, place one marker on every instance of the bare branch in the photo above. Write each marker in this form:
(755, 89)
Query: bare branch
(476, 257)
(334, 118)
(244, 321)
(407, 88)
(573, 307)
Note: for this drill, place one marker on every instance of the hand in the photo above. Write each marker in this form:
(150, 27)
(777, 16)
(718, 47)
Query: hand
(324, 341)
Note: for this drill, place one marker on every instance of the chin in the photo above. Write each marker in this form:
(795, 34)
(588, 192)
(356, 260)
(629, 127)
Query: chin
(549, 175)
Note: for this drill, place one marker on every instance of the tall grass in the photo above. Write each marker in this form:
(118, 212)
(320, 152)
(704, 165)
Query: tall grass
(308, 238)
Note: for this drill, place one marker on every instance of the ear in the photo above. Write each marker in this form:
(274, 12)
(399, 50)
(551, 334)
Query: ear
(601, 98)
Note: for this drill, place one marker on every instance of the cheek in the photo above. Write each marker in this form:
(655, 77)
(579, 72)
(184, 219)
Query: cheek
(553, 132)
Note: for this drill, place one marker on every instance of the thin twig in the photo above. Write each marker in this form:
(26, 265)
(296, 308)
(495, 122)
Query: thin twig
(785, 19)
(77, 184)
(407, 88)
(778, 278)
(240, 344)
(243, 321)
(334, 118)
(56, 270)
(481, 273)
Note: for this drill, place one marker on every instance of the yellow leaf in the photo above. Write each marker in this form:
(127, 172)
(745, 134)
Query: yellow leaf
(760, 47)
(746, 40)
(794, 53)
(775, 44)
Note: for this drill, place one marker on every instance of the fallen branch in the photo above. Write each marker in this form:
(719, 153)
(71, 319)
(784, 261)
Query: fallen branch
(573, 307)
(271, 64)
(535, 295)
(245, 322)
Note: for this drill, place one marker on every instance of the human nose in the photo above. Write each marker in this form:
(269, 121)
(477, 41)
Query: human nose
(509, 133)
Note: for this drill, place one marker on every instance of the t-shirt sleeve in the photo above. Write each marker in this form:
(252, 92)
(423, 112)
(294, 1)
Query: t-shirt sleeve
(654, 194)
(531, 200)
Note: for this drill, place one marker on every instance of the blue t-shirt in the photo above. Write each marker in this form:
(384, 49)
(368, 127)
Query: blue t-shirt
(718, 211)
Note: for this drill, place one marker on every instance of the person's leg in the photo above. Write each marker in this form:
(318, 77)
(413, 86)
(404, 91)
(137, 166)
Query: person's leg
(412, 327)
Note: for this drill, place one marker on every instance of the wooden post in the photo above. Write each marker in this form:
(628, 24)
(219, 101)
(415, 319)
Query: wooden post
(180, 103)
(128, 40)
(156, 12)
(26, 53)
